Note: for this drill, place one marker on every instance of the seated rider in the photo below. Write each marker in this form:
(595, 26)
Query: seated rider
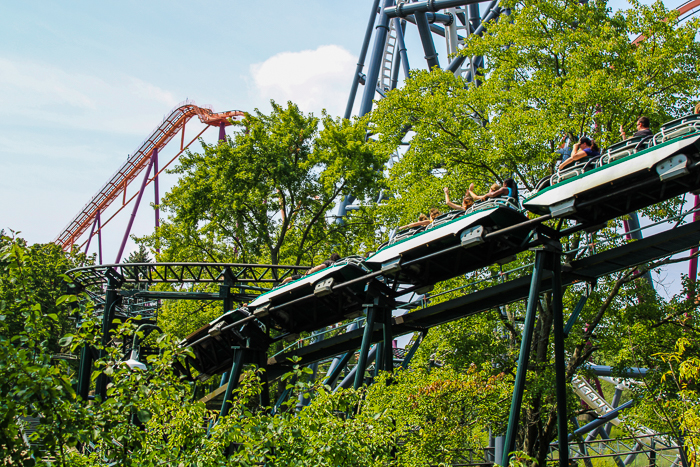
(642, 128)
(422, 220)
(508, 190)
(584, 149)
(467, 201)
(327, 263)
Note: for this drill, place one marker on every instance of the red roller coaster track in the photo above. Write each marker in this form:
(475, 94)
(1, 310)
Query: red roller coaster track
(139, 160)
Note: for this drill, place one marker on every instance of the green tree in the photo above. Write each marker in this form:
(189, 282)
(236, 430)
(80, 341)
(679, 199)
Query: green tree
(43, 266)
(266, 196)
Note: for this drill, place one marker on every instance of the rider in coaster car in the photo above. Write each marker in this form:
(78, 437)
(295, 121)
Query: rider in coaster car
(467, 201)
(643, 128)
(327, 263)
(584, 149)
(508, 190)
(422, 220)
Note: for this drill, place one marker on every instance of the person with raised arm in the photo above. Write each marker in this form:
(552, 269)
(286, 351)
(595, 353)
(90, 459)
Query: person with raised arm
(467, 200)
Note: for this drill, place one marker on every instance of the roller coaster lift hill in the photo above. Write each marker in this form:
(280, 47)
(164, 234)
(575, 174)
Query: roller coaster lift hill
(626, 177)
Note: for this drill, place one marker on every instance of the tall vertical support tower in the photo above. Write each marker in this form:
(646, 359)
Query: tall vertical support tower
(437, 22)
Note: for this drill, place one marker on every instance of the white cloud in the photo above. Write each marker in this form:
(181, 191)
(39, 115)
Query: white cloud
(46, 94)
(312, 79)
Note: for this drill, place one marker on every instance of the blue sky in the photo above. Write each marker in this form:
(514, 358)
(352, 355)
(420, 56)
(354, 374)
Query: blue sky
(83, 83)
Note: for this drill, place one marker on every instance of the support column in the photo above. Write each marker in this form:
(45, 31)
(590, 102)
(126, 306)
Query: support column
(84, 372)
(525, 346)
(112, 300)
(135, 210)
(693, 263)
(376, 60)
(155, 189)
(361, 60)
(388, 342)
(426, 38)
(370, 310)
(402, 56)
(412, 351)
(99, 238)
(92, 231)
(234, 376)
(222, 131)
(559, 355)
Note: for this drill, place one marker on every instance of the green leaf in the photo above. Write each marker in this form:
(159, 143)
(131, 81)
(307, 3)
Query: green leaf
(143, 415)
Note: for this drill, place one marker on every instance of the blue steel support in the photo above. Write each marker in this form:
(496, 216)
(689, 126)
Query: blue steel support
(405, 9)
(371, 310)
(426, 38)
(303, 400)
(599, 421)
(412, 351)
(339, 362)
(379, 360)
(525, 346)
(577, 311)
(361, 60)
(334, 371)
(350, 378)
(375, 62)
(401, 58)
(559, 364)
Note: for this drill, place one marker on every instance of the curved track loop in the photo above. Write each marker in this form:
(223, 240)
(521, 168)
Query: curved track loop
(136, 162)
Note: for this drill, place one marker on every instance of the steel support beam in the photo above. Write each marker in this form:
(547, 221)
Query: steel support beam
(234, 376)
(388, 342)
(361, 60)
(84, 372)
(405, 9)
(412, 351)
(136, 208)
(693, 263)
(156, 191)
(375, 63)
(371, 310)
(426, 38)
(525, 346)
(112, 300)
(559, 355)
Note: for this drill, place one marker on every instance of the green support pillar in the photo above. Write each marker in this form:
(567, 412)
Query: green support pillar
(525, 345)
(388, 342)
(559, 364)
(84, 372)
(234, 376)
(371, 310)
(112, 300)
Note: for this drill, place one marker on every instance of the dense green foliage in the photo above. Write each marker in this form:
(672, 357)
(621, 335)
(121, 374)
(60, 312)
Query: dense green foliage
(552, 68)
